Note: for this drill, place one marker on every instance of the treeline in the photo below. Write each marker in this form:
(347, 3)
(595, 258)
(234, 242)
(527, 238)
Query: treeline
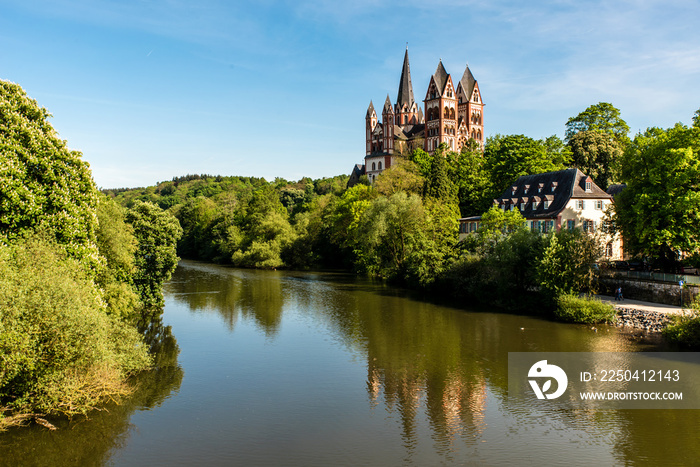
(79, 274)
(403, 227)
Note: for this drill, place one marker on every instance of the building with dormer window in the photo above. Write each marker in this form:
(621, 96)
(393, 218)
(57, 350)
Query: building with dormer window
(551, 201)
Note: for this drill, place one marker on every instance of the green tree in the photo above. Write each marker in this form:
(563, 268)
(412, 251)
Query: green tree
(157, 233)
(496, 223)
(403, 175)
(402, 240)
(469, 175)
(509, 157)
(438, 185)
(659, 211)
(44, 186)
(602, 116)
(423, 160)
(565, 265)
(597, 153)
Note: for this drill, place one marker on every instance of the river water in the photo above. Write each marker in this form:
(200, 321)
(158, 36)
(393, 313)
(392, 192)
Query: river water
(302, 369)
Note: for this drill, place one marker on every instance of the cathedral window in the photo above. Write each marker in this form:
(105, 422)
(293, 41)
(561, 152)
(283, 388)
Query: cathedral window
(374, 166)
(379, 166)
(452, 114)
(447, 112)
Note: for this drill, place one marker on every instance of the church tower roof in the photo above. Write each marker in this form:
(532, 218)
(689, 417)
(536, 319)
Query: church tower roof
(405, 96)
(370, 110)
(387, 105)
(440, 77)
(468, 82)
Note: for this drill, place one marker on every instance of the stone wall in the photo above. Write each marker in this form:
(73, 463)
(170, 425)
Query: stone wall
(647, 290)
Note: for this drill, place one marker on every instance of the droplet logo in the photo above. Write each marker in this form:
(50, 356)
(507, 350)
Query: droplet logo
(543, 371)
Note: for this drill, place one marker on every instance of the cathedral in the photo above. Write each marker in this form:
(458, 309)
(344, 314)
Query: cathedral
(450, 114)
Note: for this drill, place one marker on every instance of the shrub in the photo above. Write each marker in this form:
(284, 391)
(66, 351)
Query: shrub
(60, 353)
(574, 309)
(684, 330)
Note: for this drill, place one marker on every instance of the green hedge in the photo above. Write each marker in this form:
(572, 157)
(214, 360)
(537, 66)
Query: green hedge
(574, 309)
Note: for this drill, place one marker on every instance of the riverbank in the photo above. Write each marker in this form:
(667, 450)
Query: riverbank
(641, 315)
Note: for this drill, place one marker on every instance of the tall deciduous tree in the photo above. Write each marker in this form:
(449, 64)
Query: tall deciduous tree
(509, 157)
(659, 211)
(602, 116)
(43, 185)
(597, 153)
(157, 233)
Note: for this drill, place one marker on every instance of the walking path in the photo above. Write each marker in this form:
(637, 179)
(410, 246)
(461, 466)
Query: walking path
(647, 316)
(642, 306)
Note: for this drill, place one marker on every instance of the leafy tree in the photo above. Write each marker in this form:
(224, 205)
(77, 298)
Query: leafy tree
(496, 222)
(44, 186)
(509, 157)
(157, 233)
(402, 240)
(469, 175)
(565, 265)
(438, 185)
(423, 160)
(696, 119)
(597, 153)
(659, 211)
(602, 116)
(403, 175)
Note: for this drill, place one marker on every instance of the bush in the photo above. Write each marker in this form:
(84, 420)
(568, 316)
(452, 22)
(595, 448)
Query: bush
(574, 309)
(60, 352)
(684, 330)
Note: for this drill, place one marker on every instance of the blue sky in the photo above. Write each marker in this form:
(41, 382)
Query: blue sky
(148, 90)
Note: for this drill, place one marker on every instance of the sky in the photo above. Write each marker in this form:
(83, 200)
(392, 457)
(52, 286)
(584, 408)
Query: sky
(149, 90)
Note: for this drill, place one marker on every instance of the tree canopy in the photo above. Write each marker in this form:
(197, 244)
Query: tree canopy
(597, 153)
(602, 116)
(659, 211)
(43, 185)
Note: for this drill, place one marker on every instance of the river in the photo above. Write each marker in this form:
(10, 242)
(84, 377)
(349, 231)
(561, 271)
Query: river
(302, 369)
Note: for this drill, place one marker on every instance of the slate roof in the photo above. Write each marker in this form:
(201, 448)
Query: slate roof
(405, 96)
(387, 105)
(440, 77)
(468, 82)
(614, 190)
(370, 109)
(568, 184)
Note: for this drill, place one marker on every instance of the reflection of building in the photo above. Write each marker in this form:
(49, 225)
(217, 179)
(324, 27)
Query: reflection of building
(566, 199)
(452, 113)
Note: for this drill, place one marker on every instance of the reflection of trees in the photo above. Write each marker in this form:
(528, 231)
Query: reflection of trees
(232, 293)
(90, 440)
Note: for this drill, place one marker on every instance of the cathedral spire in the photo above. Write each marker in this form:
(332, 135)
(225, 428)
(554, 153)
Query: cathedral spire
(405, 96)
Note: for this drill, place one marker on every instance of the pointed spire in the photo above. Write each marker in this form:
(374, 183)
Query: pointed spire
(387, 105)
(370, 110)
(440, 77)
(405, 96)
(468, 82)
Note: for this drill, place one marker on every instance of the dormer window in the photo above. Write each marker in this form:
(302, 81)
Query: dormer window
(546, 204)
(554, 186)
(588, 186)
(527, 188)
(522, 205)
(513, 190)
(539, 187)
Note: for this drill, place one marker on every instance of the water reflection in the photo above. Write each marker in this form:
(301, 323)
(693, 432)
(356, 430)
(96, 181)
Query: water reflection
(441, 366)
(91, 440)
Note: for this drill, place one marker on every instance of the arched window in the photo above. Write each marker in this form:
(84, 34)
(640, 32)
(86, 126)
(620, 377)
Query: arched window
(374, 166)
(478, 134)
(447, 112)
(452, 114)
(379, 166)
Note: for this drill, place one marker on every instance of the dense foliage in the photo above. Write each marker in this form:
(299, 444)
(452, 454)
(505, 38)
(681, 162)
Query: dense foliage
(574, 309)
(44, 186)
(659, 211)
(74, 271)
